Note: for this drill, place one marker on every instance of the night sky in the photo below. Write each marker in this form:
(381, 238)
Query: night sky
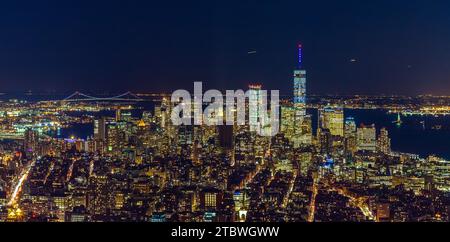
(397, 47)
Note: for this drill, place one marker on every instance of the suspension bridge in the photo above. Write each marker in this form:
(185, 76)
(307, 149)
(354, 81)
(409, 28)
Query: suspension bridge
(78, 97)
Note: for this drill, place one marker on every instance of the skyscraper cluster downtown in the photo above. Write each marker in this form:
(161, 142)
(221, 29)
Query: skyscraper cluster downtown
(188, 112)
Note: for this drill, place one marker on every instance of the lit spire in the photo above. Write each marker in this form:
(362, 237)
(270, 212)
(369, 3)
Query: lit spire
(299, 56)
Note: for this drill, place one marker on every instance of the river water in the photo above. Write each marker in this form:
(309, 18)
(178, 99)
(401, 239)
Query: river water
(416, 134)
(422, 135)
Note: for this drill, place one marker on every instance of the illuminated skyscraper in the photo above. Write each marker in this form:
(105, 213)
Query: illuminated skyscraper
(118, 115)
(350, 127)
(98, 194)
(115, 138)
(100, 129)
(300, 86)
(287, 124)
(332, 119)
(325, 141)
(31, 138)
(302, 122)
(366, 138)
(255, 99)
(384, 142)
(350, 135)
(296, 128)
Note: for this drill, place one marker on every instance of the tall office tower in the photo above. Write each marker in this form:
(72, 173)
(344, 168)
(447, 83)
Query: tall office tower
(99, 135)
(325, 141)
(158, 115)
(298, 131)
(287, 123)
(366, 138)
(31, 138)
(350, 135)
(384, 142)
(332, 119)
(100, 129)
(300, 86)
(185, 135)
(99, 192)
(118, 115)
(115, 138)
(166, 111)
(163, 111)
(305, 130)
(254, 101)
(302, 122)
(350, 127)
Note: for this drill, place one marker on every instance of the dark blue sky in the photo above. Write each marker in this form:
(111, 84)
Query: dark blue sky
(400, 47)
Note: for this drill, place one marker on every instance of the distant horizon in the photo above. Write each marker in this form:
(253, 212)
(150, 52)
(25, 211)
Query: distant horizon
(166, 92)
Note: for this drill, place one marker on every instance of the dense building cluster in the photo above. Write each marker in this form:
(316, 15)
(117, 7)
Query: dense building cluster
(144, 168)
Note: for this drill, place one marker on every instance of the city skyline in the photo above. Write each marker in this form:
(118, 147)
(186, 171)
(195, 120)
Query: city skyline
(263, 114)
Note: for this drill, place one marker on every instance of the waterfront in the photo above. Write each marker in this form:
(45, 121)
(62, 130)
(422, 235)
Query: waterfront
(422, 135)
(412, 136)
